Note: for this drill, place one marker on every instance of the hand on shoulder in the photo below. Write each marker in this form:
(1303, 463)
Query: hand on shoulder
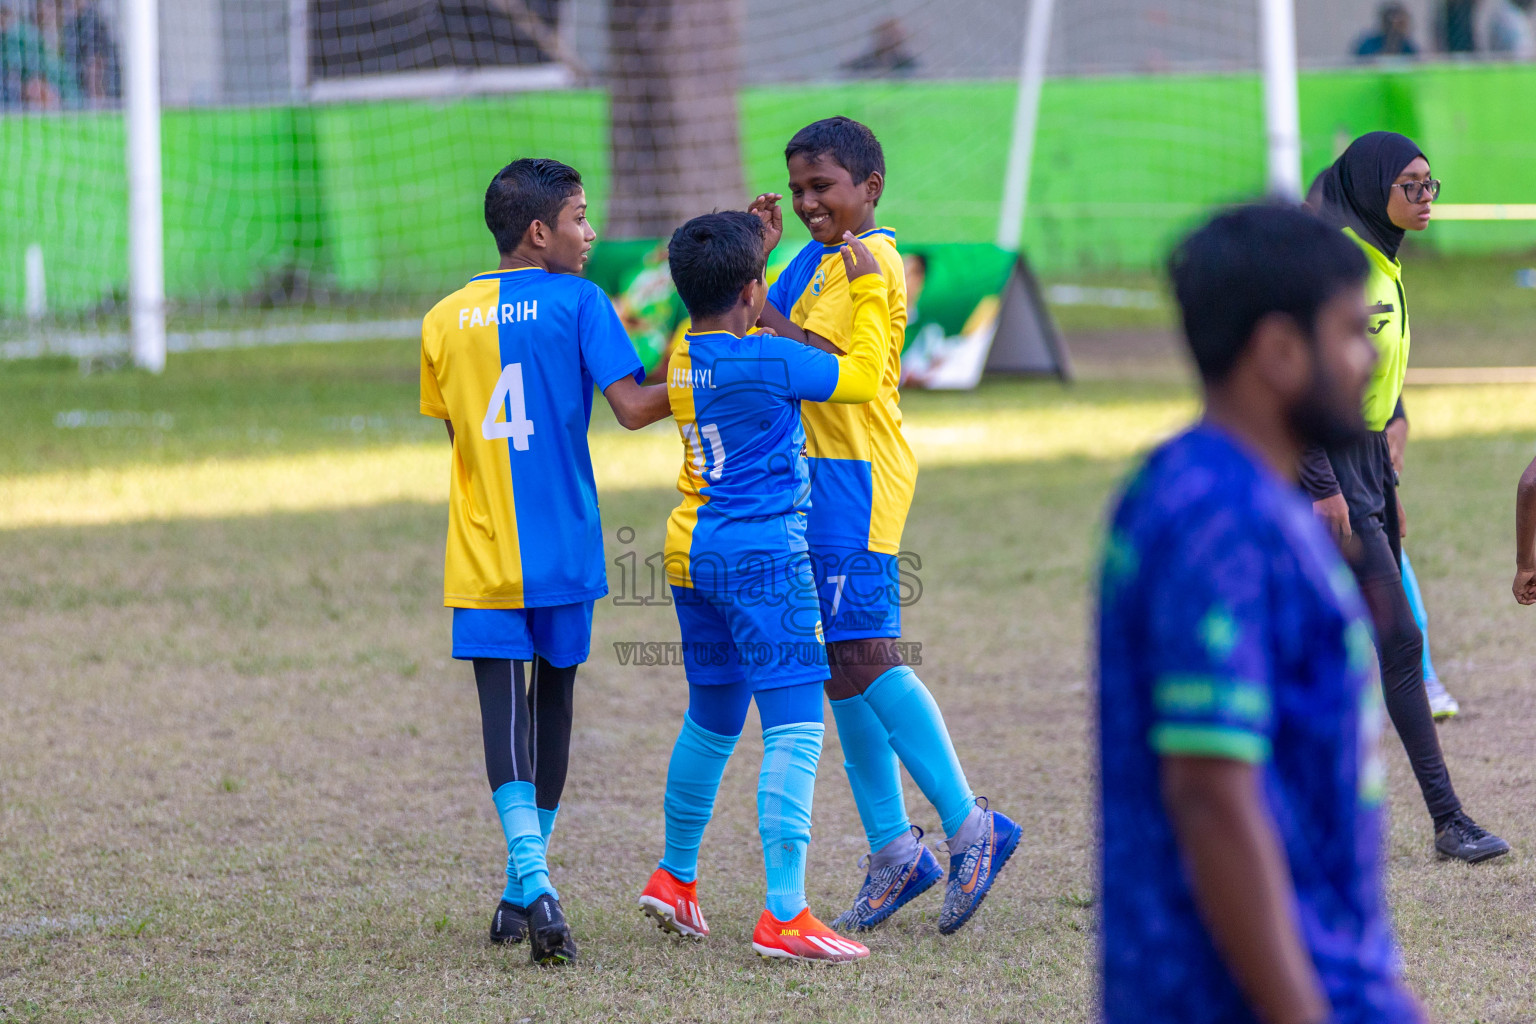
(858, 261)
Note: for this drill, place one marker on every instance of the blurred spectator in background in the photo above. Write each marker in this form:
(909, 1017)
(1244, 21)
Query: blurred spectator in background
(1393, 36)
(1456, 18)
(888, 55)
(651, 312)
(914, 267)
(1509, 30)
(88, 45)
(31, 74)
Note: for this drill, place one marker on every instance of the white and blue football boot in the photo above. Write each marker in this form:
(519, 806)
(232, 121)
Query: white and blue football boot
(888, 889)
(973, 869)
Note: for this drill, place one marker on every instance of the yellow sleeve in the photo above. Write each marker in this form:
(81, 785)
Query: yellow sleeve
(859, 372)
(831, 316)
(432, 403)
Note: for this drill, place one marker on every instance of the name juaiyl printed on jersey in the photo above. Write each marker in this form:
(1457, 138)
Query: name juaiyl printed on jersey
(691, 379)
(697, 379)
(855, 580)
(496, 314)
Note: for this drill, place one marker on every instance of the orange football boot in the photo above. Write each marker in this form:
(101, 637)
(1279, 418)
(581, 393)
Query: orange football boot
(804, 938)
(673, 905)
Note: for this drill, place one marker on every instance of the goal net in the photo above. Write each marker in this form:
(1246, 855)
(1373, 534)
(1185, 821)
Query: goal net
(323, 161)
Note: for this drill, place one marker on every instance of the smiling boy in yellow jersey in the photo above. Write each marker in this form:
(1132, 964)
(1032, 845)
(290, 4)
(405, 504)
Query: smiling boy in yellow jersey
(863, 475)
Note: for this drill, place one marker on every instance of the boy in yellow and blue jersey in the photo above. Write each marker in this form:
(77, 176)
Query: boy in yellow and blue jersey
(741, 578)
(863, 475)
(510, 361)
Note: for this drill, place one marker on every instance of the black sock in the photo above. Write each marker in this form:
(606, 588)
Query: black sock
(503, 721)
(551, 693)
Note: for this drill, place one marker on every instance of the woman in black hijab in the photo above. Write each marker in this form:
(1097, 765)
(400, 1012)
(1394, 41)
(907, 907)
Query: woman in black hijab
(1357, 190)
(1376, 191)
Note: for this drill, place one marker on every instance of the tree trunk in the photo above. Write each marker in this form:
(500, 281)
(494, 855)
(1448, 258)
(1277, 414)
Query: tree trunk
(676, 66)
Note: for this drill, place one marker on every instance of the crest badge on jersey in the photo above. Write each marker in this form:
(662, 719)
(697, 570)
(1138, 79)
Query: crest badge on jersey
(819, 281)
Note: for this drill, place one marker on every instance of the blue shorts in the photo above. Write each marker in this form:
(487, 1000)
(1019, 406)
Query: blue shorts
(763, 629)
(560, 634)
(860, 593)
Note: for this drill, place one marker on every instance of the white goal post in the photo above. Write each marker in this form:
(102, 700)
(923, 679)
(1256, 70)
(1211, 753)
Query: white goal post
(1282, 114)
(146, 227)
(1277, 58)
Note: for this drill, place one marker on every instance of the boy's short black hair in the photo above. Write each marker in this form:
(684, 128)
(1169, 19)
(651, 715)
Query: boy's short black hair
(1248, 262)
(852, 146)
(713, 257)
(525, 191)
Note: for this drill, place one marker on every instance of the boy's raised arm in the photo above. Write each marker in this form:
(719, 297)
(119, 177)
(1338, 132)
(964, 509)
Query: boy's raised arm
(859, 372)
(766, 208)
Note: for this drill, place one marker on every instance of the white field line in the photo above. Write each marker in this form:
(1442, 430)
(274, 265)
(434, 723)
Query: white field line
(82, 346)
(1485, 211)
(1472, 375)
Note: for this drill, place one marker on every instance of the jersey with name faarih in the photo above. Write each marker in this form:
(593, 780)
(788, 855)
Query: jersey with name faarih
(863, 472)
(510, 360)
(745, 482)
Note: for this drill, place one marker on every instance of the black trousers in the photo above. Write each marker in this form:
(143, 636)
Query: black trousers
(1364, 471)
(527, 729)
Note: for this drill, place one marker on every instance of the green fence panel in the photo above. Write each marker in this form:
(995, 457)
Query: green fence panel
(240, 200)
(384, 198)
(1479, 132)
(63, 186)
(945, 143)
(1339, 106)
(1121, 166)
(403, 183)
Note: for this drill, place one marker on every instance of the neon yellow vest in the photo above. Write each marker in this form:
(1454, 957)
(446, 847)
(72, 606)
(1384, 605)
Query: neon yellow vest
(1387, 308)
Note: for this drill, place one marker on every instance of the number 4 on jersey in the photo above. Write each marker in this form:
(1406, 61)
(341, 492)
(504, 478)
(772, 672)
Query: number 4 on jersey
(508, 397)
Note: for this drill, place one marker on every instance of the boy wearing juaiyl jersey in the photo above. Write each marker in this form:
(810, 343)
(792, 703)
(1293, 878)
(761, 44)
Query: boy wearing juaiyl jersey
(740, 575)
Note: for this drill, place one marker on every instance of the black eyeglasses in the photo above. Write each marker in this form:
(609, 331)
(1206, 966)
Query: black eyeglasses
(1418, 191)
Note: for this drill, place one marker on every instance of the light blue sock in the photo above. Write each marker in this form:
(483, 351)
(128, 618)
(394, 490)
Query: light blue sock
(513, 893)
(1420, 613)
(693, 779)
(873, 772)
(920, 739)
(785, 787)
(525, 842)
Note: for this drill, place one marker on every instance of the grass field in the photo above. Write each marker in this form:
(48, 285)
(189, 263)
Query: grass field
(241, 779)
